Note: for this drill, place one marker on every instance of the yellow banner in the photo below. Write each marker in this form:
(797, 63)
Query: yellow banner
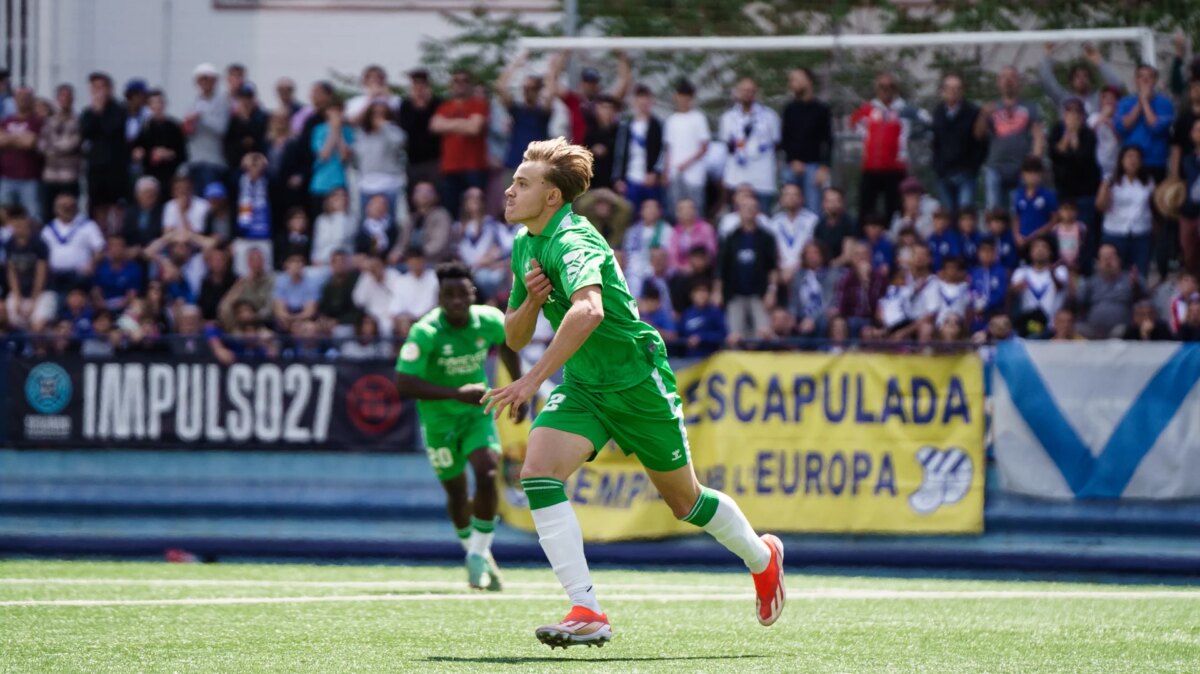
(803, 443)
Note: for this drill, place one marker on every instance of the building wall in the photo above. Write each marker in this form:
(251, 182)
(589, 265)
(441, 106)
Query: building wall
(163, 40)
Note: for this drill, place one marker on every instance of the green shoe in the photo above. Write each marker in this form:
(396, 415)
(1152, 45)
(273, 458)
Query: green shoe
(494, 573)
(477, 568)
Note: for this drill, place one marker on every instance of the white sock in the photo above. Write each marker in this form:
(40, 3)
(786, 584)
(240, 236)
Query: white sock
(466, 543)
(562, 541)
(480, 543)
(731, 529)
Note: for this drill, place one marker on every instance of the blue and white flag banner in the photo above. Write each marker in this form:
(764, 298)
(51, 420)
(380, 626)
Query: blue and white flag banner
(1098, 420)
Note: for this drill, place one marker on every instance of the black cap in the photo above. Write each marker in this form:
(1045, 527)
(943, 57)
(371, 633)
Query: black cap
(684, 86)
(590, 75)
(419, 74)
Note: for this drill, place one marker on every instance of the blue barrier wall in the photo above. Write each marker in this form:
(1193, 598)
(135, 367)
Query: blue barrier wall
(223, 504)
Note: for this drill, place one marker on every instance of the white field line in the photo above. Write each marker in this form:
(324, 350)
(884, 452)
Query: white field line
(816, 594)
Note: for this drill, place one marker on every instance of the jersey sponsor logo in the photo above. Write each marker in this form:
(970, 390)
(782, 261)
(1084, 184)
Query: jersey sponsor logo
(460, 365)
(410, 352)
(373, 404)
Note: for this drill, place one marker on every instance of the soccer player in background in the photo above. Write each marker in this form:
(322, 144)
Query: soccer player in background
(617, 384)
(441, 365)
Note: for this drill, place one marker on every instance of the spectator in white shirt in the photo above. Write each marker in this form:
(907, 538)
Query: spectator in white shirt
(637, 153)
(685, 142)
(418, 291)
(1125, 199)
(793, 226)
(74, 243)
(378, 293)
(731, 220)
(185, 209)
(750, 131)
(333, 229)
(479, 247)
(1040, 289)
(375, 90)
(205, 128)
(1102, 122)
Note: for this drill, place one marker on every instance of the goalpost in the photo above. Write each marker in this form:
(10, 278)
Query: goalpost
(1141, 35)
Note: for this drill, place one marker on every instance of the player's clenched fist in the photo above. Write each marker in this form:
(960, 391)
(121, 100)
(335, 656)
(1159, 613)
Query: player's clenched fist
(537, 284)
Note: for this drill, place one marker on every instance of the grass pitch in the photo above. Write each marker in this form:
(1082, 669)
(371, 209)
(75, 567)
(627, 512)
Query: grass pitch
(141, 617)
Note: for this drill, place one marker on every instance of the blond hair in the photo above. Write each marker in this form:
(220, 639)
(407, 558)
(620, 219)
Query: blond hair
(568, 167)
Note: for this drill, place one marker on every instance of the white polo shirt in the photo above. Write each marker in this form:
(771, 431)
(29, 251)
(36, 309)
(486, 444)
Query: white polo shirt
(73, 245)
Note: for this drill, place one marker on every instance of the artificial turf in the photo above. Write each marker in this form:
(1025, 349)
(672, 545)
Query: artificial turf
(423, 619)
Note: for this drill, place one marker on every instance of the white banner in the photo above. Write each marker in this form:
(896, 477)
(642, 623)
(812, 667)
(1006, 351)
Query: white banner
(1102, 420)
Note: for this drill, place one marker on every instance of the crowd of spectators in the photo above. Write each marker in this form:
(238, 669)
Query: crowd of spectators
(247, 230)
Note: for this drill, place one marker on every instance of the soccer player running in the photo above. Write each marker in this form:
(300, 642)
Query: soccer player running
(441, 365)
(616, 384)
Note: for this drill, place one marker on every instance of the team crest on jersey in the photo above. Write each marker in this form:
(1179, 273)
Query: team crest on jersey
(479, 342)
(410, 352)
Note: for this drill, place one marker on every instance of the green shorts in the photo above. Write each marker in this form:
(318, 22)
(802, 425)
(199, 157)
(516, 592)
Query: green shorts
(448, 442)
(645, 420)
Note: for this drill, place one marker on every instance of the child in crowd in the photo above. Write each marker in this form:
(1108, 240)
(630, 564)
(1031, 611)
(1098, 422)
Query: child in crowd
(702, 327)
(1070, 234)
(883, 251)
(944, 242)
(953, 292)
(652, 311)
(1033, 203)
(989, 285)
(333, 229)
(1039, 289)
(969, 235)
(1000, 230)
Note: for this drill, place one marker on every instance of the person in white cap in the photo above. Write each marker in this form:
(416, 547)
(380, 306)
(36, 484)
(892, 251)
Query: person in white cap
(205, 127)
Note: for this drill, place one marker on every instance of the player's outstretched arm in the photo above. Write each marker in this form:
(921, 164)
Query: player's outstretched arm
(416, 388)
(584, 316)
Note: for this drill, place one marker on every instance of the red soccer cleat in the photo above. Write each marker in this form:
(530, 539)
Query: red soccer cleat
(768, 585)
(581, 627)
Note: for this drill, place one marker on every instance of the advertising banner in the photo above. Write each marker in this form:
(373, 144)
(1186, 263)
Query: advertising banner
(141, 401)
(805, 443)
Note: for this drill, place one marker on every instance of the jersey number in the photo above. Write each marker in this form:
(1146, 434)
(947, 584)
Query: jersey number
(440, 457)
(553, 402)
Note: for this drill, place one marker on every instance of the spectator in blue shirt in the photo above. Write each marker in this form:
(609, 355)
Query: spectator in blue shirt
(702, 327)
(1000, 231)
(654, 312)
(331, 142)
(296, 295)
(883, 251)
(1144, 118)
(1033, 202)
(531, 113)
(968, 233)
(117, 279)
(988, 285)
(944, 241)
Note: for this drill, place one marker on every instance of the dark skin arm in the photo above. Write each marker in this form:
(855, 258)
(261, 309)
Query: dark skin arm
(416, 388)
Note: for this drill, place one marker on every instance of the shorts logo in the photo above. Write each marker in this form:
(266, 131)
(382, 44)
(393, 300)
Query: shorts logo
(677, 455)
(373, 404)
(48, 388)
(946, 478)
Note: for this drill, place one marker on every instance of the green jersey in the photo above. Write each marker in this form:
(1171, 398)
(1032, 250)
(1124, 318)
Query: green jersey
(620, 353)
(447, 356)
